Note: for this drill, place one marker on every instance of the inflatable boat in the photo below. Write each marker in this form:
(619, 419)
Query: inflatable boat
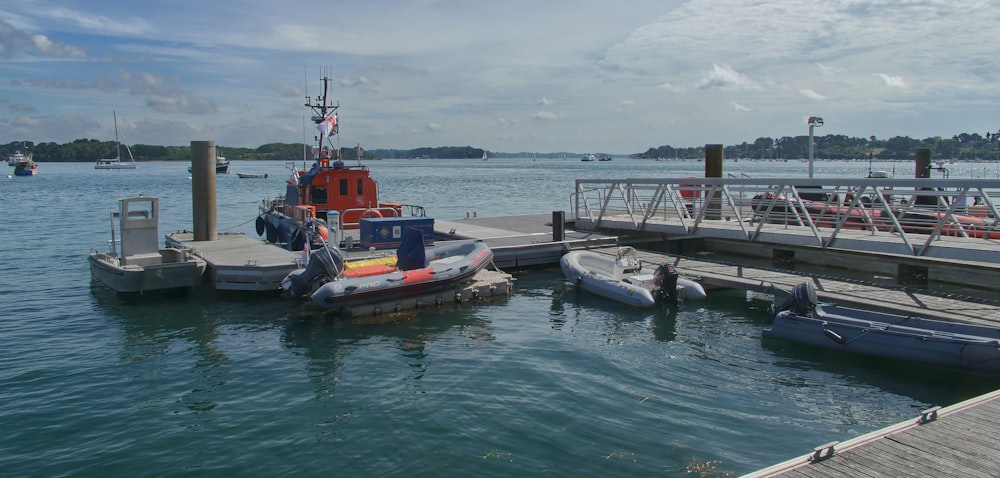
(623, 278)
(961, 346)
(331, 282)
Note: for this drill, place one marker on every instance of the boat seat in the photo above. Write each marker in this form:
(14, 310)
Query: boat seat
(151, 259)
(446, 260)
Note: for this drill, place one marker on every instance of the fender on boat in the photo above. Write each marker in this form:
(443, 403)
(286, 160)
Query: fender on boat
(260, 225)
(271, 232)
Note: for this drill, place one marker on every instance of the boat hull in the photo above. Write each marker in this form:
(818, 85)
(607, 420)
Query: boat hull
(623, 282)
(114, 165)
(447, 265)
(953, 345)
(219, 168)
(179, 271)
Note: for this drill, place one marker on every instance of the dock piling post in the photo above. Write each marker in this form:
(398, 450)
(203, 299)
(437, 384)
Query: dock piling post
(714, 155)
(922, 162)
(558, 225)
(203, 199)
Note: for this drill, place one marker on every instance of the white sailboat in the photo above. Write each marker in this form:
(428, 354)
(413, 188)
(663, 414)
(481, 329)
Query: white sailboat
(116, 162)
(484, 155)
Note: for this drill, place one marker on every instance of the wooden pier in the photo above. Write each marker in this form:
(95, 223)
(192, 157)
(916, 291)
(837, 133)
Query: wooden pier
(958, 441)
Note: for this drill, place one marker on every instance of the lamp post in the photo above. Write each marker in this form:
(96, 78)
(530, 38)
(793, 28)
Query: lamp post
(814, 121)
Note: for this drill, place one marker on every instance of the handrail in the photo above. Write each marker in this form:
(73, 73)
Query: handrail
(915, 212)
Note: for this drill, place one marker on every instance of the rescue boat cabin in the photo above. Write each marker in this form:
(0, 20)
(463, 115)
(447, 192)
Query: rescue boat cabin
(332, 186)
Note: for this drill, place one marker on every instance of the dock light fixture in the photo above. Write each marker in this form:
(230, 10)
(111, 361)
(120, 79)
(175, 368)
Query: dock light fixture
(814, 121)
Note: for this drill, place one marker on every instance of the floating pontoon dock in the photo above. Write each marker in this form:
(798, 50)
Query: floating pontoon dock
(240, 263)
(955, 441)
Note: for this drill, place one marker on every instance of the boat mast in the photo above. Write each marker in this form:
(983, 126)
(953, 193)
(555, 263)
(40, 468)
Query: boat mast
(322, 110)
(118, 144)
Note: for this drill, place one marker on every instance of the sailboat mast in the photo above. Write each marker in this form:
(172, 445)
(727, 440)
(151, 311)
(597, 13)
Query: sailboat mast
(118, 144)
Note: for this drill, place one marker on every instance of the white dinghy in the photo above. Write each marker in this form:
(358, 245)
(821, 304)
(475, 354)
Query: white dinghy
(623, 278)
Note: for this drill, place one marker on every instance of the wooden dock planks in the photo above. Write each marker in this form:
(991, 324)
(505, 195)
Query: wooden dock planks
(963, 441)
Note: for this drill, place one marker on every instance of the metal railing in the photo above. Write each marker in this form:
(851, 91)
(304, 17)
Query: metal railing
(914, 211)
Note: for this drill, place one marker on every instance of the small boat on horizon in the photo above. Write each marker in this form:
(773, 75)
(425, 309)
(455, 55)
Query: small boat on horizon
(23, 164)
(116, 162)
(622, 278)
(221, 165)
(252, 175)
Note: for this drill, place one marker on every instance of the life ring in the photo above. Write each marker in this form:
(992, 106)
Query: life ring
(260, 225)
(371, 213)
(323, 232)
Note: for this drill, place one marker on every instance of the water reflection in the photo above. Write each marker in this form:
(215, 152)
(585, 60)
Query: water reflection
(382, 342)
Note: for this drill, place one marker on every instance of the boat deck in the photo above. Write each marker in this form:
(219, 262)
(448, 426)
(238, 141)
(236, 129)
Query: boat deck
(955, 441)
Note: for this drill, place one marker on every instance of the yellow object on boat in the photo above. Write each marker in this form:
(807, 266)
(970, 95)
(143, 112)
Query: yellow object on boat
(377, 261)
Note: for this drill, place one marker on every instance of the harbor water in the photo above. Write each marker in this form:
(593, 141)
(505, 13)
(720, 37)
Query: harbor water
(546, 381)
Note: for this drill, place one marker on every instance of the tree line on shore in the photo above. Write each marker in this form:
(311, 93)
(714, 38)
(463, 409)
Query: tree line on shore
(965, 146)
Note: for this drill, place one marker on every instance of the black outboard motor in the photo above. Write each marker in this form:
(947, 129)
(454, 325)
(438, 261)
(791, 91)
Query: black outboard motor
(665, 280)
(324, 265)
(800, 302)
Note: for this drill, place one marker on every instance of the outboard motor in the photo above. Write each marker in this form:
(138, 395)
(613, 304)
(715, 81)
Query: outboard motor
(800, 302)
(324, 264)
(665, 281)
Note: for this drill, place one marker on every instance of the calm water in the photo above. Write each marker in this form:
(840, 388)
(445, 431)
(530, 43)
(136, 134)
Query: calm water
(546, 381)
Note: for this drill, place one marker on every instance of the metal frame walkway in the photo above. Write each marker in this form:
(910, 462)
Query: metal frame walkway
(913, 216)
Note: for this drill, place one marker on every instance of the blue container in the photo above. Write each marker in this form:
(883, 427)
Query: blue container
(385, 232)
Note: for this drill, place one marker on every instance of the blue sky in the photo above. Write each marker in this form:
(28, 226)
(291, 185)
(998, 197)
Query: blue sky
(579, 76)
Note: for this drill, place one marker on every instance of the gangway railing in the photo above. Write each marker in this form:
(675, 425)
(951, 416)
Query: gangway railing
(914, 211)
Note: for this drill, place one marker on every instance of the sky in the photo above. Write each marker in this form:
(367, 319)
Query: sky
(511, 76)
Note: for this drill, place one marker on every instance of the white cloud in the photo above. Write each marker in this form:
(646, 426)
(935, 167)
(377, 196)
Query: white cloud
(726, 78)
(668, 86)
(809, 93)
(545, 101)
(893, 81)
(545, 115)
(828, 70)
(740, 107)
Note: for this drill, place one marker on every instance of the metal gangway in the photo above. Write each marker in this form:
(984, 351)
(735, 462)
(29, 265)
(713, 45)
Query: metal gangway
(914, 215)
